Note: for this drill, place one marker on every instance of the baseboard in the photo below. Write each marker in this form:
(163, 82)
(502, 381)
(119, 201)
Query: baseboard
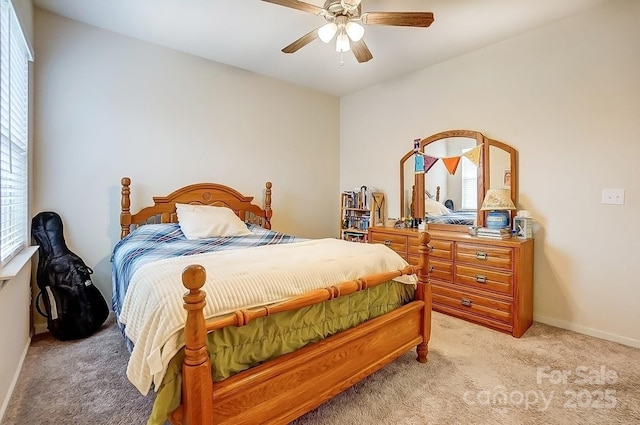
(14, 381)
(587, 331)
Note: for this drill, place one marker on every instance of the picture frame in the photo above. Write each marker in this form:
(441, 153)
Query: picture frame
(506, 179)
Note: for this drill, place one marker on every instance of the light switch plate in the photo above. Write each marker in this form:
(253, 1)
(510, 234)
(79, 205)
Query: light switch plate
(613, 196)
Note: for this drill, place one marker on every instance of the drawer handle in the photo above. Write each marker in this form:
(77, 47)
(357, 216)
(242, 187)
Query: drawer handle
(430, 248)
(481, 255)
(387, 242)
(431, 269)
(465, 302)
(481, 279)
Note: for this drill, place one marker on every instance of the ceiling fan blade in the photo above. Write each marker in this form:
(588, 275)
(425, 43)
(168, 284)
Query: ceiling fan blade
(301, 42)
(361, 51)
(401, 19)
(299, 5)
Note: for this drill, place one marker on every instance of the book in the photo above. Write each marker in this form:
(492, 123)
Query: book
(484, 232)
(490, 231)
(490, 236)
(494, 237)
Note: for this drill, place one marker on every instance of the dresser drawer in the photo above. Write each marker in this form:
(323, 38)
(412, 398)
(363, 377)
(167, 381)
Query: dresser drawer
(396, 242)
(441, 249)
(484, 279)
(412, 246)
(484, 255)
(487, 307)
(441, 270)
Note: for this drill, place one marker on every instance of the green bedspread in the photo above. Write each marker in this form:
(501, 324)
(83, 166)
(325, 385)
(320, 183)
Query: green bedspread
(234, 349)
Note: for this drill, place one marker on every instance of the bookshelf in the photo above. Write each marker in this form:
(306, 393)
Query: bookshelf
(359, 210)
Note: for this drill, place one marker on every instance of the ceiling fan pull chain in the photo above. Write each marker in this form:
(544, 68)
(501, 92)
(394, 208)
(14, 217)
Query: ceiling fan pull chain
(341, 58)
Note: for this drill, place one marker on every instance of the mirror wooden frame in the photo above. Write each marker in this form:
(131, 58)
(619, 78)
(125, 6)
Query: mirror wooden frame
(484, 174)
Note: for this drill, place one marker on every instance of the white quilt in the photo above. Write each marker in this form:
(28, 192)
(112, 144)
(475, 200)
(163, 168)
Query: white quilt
(154, 316)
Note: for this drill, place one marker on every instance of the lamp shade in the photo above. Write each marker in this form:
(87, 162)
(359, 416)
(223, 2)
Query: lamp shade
(342, 43)
(355, 31)
(327, 31)
(497, 199)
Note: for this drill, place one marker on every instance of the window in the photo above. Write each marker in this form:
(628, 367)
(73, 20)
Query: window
(469, 184)
(14, 107)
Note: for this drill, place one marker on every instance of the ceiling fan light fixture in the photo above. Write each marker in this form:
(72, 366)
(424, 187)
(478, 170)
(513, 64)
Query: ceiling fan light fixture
(355, 31)
(344, 22)
(350, 4)
(342, 43)
(327, 31)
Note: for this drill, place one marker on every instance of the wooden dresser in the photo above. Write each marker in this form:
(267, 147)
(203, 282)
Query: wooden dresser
(485, 281)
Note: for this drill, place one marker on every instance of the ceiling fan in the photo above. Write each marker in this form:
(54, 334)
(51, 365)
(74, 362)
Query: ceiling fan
(344, 19)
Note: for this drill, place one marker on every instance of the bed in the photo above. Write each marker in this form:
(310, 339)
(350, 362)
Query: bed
(437, 212)
(379, 315)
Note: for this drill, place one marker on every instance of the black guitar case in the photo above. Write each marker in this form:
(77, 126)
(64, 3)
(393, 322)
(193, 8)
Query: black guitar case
(74, 307)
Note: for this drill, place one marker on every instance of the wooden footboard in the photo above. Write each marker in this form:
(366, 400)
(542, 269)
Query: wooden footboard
(283, 389)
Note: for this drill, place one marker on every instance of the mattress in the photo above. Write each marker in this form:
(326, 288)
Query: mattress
(154, 242)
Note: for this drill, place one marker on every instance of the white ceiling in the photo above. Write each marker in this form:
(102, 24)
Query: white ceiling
(249, 34)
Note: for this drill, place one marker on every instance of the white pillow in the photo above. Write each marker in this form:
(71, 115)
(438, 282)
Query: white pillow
(206, 221)
(432, 207)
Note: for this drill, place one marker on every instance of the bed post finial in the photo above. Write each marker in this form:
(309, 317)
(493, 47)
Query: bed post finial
(125, 204)
(197, 406)
(424, 293)
(267, 206)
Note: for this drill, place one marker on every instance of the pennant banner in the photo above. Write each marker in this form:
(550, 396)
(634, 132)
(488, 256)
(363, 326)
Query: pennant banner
(419, 161)
(451, 163)
(429, 161)
(424, 162)
(474, 155)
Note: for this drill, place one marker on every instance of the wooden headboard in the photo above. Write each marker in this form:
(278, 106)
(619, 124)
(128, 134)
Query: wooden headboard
(163, 209)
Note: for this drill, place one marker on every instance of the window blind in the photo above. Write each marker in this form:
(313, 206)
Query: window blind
(469, 184)
(14, 107)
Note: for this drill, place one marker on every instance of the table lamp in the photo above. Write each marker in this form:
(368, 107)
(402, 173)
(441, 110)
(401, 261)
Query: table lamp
(498, 202)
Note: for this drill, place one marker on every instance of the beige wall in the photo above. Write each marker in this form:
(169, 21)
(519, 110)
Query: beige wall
(567, 96)
(109, 106)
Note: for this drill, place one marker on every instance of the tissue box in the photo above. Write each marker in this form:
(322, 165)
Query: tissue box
(523, 227)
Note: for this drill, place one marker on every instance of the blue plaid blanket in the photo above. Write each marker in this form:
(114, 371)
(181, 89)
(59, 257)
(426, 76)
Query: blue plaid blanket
(159, 241)
(455, 217)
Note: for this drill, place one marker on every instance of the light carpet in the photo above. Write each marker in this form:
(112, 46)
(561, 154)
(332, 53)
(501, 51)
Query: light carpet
(474, 376)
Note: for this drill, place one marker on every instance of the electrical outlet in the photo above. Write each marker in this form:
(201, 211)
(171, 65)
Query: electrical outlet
(613, 196)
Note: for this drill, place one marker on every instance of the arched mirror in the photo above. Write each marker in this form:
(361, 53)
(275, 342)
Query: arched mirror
(500, 163)
(451, 201)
